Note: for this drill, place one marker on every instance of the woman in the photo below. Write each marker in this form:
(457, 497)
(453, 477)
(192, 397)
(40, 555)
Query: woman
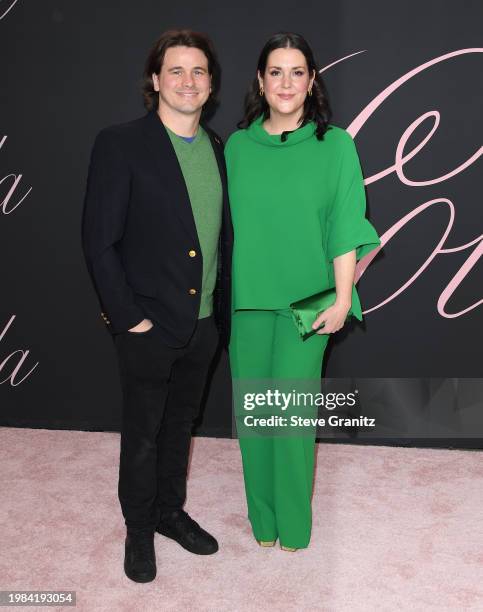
(298, 207)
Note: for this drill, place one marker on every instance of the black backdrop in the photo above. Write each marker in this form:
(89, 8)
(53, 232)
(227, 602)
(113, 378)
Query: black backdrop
(70, 68)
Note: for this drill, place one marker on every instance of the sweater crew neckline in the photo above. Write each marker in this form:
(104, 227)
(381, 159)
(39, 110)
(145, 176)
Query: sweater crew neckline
(183, 139)
(258, 133)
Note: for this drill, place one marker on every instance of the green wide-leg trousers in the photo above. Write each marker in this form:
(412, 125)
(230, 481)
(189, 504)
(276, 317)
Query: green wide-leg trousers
(278, 470)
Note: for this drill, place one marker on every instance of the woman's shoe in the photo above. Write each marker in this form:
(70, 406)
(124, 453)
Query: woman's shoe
(288, 549)
(265, 544)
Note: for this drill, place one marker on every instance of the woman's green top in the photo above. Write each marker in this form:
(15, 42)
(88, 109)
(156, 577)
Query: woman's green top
(295, 206)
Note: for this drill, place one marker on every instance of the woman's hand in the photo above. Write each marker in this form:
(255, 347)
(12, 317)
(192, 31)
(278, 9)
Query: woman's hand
(333, 318)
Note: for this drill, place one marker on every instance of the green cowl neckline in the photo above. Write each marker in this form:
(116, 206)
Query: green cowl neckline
(257, 132)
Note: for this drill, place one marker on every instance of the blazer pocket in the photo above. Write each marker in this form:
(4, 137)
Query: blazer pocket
(144, 333)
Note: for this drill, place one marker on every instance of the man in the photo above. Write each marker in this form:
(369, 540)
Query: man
(157, 237)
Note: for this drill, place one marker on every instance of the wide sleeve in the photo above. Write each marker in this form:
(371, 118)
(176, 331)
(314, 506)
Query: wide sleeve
(348, 228)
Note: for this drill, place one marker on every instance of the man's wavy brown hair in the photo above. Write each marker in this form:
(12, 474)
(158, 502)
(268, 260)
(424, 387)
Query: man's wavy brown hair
(154, 61)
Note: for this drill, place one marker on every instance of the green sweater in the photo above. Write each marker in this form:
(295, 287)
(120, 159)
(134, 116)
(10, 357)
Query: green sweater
(202, 178)
(295, 206)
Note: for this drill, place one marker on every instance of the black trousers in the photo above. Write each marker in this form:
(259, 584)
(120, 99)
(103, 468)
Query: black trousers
(162, 391)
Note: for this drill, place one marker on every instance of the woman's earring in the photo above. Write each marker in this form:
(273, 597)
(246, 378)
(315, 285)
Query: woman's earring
(309, 91)
(261, 91)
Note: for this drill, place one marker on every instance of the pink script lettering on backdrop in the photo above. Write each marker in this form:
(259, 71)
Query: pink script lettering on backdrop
(3, 205)
(398, 167)
(9, 8)
(21, 357)
(16, 178)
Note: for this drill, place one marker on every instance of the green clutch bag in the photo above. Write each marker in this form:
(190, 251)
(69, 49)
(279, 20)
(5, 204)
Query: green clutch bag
(305, 311)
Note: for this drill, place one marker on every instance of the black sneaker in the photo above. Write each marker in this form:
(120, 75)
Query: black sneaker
(179, 526)
(140, 558)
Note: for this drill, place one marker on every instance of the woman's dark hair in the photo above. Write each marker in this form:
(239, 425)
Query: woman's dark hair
(316, 106)
(154, 61)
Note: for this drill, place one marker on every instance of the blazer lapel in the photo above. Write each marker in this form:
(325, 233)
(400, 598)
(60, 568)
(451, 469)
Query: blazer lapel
(220, 160)
(170, 173)
(218, 151)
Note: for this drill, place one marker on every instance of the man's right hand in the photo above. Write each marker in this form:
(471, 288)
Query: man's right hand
(144, 326)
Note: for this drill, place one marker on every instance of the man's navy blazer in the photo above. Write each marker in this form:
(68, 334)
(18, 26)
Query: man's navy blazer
(139, 235)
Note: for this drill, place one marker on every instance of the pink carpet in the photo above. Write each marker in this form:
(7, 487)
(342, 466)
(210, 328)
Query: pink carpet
(394, 529)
